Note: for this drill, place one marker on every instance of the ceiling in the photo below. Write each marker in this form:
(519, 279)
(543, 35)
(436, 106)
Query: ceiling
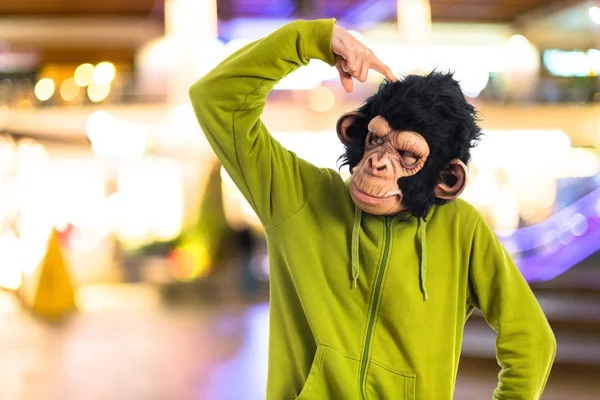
(490, 10)
(442, 10)
(79, 7)
(125, 23)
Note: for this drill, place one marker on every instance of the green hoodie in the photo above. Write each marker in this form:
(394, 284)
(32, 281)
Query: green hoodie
(396, 332)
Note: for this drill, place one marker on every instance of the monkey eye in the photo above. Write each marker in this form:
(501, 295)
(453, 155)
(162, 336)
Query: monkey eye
(409, 159)
(375, 140)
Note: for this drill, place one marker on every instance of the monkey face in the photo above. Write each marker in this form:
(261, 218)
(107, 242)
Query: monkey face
(408, 144)
(389, 155)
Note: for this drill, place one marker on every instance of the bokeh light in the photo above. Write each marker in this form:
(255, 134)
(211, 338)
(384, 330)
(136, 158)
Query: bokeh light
(69, 89)
(189, 263)
(321, 99)
(594, 13)
(518, 41)
(97, 93)
(10, 272)
(84, 74)
(44, 89)
(112, 137)
(484, 188)
(97, 123)
(104, 73)
(578, 224)
(472, 80)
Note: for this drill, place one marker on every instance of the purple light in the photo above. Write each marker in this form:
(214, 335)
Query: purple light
(538, 235)
(247, 365)
(368, 13)
(564, 240)
(547, 265)
(270, 8)
(250, 28)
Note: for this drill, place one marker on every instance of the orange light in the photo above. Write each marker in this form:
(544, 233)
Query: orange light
(187, 264)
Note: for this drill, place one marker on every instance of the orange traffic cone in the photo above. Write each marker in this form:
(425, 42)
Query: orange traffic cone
(55, 294)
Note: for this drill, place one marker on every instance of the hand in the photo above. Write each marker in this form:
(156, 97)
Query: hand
(354, 59)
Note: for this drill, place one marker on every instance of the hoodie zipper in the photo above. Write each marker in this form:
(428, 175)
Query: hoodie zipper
(374, 306)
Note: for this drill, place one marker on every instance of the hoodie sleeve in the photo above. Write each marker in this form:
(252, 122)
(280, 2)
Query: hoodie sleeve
(525, 343)
(229, 101)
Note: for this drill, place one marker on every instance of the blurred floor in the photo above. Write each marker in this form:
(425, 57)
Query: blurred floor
(124, 345)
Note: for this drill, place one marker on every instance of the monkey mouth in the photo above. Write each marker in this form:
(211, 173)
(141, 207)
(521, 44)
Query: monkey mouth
(367, 198)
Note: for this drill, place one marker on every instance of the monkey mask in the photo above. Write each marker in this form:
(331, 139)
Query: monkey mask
(408, 145)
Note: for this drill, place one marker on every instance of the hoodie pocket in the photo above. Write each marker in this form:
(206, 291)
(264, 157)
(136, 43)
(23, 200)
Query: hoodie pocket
(332, 376)
(388, 383)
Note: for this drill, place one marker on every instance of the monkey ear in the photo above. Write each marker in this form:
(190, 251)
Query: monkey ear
(344, 122)
(453, 181)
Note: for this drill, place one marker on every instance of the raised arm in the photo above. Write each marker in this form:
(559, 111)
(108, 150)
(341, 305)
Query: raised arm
(525, 344)
(229, 101)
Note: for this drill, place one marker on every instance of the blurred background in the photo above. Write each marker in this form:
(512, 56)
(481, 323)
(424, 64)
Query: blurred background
(132, 268)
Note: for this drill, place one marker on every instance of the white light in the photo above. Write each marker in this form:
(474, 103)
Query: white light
(10, 263)
(552, 145)
(7, 155)
(104, 73)
(234, 45)
(126, 140)
(472, 80)
(84, 74)
(318, 148)
(594, 13)
(578, 224)
(550, 239)
(565, 236)
(78, 198)
(358, 35)
(98, 93)
(149, 204)
(69, 89)
(44, 89)
(99, 122)
(184, 118)
(321, 99)
(572, 63)
(205, 64)
(309, 77)
(518, 41)
(2, 213)
(413, 19)
(111, 137)
(484, 188)
(594, 60)
(581, 163)
(505, 211)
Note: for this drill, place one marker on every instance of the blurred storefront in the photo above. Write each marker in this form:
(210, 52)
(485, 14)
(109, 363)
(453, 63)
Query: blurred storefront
(100, 143)
(110, 192)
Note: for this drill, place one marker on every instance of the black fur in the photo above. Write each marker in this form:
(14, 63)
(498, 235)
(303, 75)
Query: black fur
(433, 106)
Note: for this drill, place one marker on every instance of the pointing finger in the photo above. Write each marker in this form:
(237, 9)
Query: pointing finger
(379, 66)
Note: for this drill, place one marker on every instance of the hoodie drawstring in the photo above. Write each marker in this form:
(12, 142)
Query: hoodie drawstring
(422, 235)
(423, 263)
(355, 244)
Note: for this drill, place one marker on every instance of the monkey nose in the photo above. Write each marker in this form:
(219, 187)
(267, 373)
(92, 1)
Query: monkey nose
(377, 163)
